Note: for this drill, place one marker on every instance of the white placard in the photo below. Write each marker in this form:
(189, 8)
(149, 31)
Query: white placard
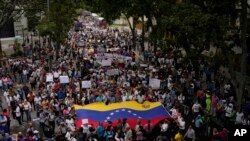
(128, 58)
(86, 84)
(106, 62)
(64, 79)
(143, 65)
(154, 83)
(49, 77)
(85, 121)
(112, 72)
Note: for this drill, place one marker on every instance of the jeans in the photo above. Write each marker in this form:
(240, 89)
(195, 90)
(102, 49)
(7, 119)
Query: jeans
(27, 112)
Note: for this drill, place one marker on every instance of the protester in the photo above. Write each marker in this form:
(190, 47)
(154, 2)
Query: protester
(112, 72)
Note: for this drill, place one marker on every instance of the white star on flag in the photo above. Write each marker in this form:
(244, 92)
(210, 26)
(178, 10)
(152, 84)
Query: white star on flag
(123, 110)
(117, 111)
(129, 111)
(112, 114)
(108, 117)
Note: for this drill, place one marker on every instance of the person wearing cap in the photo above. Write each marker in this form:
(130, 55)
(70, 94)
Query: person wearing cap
(36, 136)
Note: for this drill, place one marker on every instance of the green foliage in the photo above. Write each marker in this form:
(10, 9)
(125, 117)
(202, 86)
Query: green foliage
(46, 27)
(59, 19)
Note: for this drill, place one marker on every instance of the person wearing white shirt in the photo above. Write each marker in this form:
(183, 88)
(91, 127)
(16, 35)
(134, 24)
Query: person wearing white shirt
(18, 115)
(181, 98)
(196, 108)
(239, 117)
(37, 101)
(6, 93)
(1, 84)
(190, 134)
(164, 127)
(181, 123)
(70, 123)
(24, 76)
(27, 109)
(16, 97)
(124, 98)
(56, 74)
(140, 98)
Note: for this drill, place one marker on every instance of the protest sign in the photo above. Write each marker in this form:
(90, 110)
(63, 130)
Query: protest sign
(143, 65)
(86, 84)
(106, 62)
(112, 72)
(154, 83)
(49, 77)
(64, 79)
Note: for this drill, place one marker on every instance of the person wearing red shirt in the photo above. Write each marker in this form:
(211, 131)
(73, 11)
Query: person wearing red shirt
(7, 115)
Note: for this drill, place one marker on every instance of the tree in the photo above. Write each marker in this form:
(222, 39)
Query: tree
(59, 20)
(12, 9)
(244, 52)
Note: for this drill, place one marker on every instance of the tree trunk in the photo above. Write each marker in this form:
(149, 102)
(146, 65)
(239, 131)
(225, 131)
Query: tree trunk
(132, 28)
(244, 51)
(143, 35)
(133, 39)
(58, 45)
(1, 53)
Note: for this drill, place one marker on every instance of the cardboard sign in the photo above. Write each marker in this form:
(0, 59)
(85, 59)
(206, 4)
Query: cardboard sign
(154, 83)
(64, 79)
(86, 84)
(49, 77)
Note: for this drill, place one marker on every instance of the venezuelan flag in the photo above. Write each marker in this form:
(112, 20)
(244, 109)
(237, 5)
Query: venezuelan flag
(131, 110)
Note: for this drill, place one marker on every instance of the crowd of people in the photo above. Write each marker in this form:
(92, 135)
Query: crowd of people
(194, 95)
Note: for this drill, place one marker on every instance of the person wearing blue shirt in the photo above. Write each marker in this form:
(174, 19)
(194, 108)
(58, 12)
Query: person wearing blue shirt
(3, 123)
(198, 124)
(100, 132)
(99, 98)
(61, 95)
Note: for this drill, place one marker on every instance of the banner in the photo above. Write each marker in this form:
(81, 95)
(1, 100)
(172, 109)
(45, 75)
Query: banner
(86, 84)
(131, 110)
(64, 79)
